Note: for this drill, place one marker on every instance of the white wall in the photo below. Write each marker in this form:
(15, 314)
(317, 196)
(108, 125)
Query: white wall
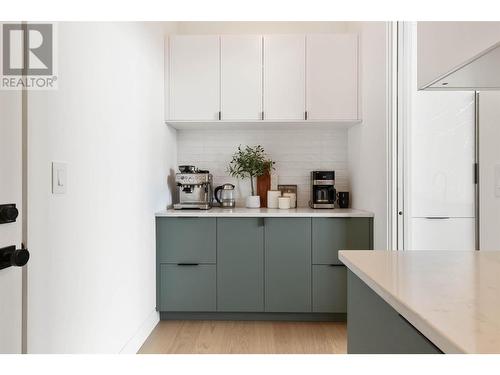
(92, 271)
(443, 46)
(489, 160)
(296, 152)
(367, 142)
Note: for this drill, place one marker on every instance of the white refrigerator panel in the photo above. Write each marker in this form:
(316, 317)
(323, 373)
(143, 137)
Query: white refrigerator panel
(442, 154)
(443, 234)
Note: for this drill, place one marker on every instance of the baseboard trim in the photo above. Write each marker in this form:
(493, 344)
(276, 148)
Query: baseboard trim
(298, 317)
(136, 341)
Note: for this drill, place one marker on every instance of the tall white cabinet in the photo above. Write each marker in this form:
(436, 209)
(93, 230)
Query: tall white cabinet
(442, 181)
(284, 77)
(194, 77)
(332, 76)
(241, 77)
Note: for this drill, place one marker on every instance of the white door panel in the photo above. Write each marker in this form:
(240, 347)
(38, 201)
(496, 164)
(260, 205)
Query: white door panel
(332, 77)
(442, 234)
(241, 77)
(10, 233)
(443, 146)
(194, 77)
(284, 77)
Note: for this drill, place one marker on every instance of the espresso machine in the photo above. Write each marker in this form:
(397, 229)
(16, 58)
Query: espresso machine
(194, 188)
(322, 189)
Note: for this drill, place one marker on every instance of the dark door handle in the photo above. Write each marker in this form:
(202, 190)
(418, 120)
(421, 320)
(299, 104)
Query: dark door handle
(9, 256)
(8, 213)
(188, 264)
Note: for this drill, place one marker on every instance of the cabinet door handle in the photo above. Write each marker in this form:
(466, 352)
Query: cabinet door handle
(188, 264)
(305, 115)
(336, 265)
(220, 115)
(438, 217)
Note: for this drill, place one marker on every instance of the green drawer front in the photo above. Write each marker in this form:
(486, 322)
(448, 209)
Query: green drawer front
(185, 240)
(333, 234)
(329, 289)
(240, 264)
(288, 265)
(188, 288)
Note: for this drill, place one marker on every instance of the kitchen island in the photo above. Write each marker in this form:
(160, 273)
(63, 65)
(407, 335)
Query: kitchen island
(256, 264)
(423, 301)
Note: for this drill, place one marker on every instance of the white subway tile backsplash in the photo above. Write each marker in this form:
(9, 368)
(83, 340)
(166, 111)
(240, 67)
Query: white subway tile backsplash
(296, 152)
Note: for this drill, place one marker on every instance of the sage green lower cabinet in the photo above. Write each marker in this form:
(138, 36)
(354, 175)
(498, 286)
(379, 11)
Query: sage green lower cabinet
(188, 287)
(240, 264)
(329, 235)
(374, 327)
(186, 239)
(329, 288)
(255, 267)
(288, 264)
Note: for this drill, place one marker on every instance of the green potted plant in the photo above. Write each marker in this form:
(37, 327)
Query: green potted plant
(250, 162)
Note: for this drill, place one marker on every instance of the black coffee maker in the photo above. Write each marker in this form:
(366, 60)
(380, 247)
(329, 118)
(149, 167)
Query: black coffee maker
(323, 189)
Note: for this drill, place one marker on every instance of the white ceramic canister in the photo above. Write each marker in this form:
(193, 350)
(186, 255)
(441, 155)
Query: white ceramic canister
(284, 203)
(293, 199)
(272, 198)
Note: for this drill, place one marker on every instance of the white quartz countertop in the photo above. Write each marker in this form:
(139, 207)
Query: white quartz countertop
(265, 212)
(452, 297)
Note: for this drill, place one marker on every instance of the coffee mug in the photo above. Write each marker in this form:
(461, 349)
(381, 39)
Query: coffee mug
(343, 199)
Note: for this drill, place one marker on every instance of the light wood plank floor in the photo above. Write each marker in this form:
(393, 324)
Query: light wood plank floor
(246, 337)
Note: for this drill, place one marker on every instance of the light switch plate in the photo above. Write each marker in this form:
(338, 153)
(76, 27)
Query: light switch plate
(59, 178)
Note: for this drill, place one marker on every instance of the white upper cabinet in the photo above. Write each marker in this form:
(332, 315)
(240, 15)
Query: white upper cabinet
(241, 77)
(284, 77)
(332, 77)
(194, 77)
(249, 78)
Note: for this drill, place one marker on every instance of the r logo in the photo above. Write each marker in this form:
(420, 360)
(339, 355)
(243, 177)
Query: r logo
(27, 49)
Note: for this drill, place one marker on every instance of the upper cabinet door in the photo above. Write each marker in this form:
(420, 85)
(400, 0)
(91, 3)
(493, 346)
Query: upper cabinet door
(241, 77)
(332, 77)
(284, 77)
(194, 77)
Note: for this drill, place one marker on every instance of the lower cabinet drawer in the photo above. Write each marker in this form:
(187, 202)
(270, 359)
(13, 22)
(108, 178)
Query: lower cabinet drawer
(188, 287)
(329, 294)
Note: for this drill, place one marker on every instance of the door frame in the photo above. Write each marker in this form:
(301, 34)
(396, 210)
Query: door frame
(395, 112)
(406, 41)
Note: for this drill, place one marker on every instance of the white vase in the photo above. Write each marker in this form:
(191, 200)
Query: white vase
(253, 201)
